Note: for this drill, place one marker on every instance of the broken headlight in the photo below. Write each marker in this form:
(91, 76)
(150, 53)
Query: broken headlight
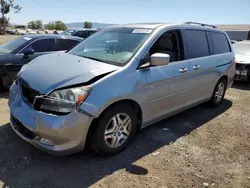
(65, 100)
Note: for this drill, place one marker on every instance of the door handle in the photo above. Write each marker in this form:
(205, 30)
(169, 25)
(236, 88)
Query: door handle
(182, 70)
(196, 67)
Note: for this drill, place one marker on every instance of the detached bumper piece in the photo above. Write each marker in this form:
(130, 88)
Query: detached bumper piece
(242, 72)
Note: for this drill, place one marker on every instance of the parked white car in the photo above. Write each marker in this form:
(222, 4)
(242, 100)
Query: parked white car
(242, 57)
(20, 32)
(49, 31)
(40, 32)
(31, 32)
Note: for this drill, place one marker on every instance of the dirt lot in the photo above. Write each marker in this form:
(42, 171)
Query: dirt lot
(203, 147)
(5, 38)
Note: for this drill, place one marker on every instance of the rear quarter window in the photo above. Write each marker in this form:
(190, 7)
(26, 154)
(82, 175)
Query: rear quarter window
(197, 44)
(82, 34)
(220, 43)
(43, 45)
(65, 44)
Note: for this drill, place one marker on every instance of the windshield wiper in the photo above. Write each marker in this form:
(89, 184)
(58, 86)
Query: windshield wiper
(101, 60)
(93, 58)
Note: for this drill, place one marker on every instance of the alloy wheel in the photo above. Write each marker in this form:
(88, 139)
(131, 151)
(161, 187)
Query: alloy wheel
(117, 130)
(219, 93)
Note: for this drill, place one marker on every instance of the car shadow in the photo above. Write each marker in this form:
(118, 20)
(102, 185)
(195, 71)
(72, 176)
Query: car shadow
(241, 85)
(22, 165)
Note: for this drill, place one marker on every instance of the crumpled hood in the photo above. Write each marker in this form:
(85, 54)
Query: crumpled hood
(53, 71)
(242, 58)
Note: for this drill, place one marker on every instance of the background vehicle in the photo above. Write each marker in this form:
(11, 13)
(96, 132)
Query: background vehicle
(30, 32)
(80, 32)
(9, 31)
(18, 52)
(242, 57)
(116, 82)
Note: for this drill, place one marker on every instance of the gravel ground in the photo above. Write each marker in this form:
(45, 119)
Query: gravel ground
(201, 147)
(6, 38)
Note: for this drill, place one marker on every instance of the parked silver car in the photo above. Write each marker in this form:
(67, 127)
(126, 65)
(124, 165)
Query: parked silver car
(118, 81)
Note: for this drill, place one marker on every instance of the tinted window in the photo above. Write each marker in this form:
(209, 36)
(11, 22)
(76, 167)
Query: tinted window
(168, 43)
(220, 43)
(81, 34)
(91, 32)
(65, 44)
(44, 45)
(197, 45)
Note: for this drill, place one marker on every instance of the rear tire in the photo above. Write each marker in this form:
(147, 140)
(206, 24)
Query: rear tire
(219, 93)
(113, 130)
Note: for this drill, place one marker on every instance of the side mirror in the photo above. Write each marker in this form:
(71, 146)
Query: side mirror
(28, 52)
(159, 59)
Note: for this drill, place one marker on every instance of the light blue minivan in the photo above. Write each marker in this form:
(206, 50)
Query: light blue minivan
(117, 81)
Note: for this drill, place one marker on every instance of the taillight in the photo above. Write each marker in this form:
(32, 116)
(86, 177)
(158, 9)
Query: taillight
(234, 61)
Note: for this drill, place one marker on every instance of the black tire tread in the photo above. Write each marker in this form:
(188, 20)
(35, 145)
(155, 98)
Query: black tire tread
(212, 102)
(96, 138)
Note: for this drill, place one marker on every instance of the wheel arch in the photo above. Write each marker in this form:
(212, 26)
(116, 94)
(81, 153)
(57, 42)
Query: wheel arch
(224, 77)
(130, 102)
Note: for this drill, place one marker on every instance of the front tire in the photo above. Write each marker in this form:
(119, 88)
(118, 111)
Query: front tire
(219, 93)
(113, 130)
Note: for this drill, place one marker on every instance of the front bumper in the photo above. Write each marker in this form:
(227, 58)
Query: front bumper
(58, 135)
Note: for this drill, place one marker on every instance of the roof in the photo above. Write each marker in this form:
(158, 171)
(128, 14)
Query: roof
(140, 25)
(155, 25)
(53, 36)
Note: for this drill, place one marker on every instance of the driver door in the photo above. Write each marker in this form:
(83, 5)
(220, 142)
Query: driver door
(168, 85)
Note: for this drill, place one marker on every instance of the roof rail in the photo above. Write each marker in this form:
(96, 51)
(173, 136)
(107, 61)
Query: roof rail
(202, 24)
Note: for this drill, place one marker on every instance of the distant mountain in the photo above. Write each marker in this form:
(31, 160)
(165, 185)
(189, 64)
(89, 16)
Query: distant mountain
(81, 24)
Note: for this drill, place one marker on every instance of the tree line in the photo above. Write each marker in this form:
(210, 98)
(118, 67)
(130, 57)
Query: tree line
(53, 25)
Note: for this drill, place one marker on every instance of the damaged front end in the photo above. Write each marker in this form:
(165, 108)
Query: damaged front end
(61, 101)
(242, 72)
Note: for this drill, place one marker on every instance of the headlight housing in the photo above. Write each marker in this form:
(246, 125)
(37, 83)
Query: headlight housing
(64, 101)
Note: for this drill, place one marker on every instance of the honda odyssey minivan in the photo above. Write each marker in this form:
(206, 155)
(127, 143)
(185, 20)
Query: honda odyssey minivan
(118, 81)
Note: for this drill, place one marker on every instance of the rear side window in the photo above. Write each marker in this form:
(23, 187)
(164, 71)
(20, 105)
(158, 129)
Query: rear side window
(197, 45)
(43, 45)
(65, 44)
(91, 33)
(82, 34)
(220, 43)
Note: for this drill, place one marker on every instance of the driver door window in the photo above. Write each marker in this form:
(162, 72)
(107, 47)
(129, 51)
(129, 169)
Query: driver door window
(82, 34)
(169, 43)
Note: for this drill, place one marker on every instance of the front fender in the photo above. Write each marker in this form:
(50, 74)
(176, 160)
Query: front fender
(117, 86)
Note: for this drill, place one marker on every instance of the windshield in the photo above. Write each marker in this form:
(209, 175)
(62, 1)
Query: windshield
(13, 45)
(112, 45)
(68, 32)
(242, 48)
